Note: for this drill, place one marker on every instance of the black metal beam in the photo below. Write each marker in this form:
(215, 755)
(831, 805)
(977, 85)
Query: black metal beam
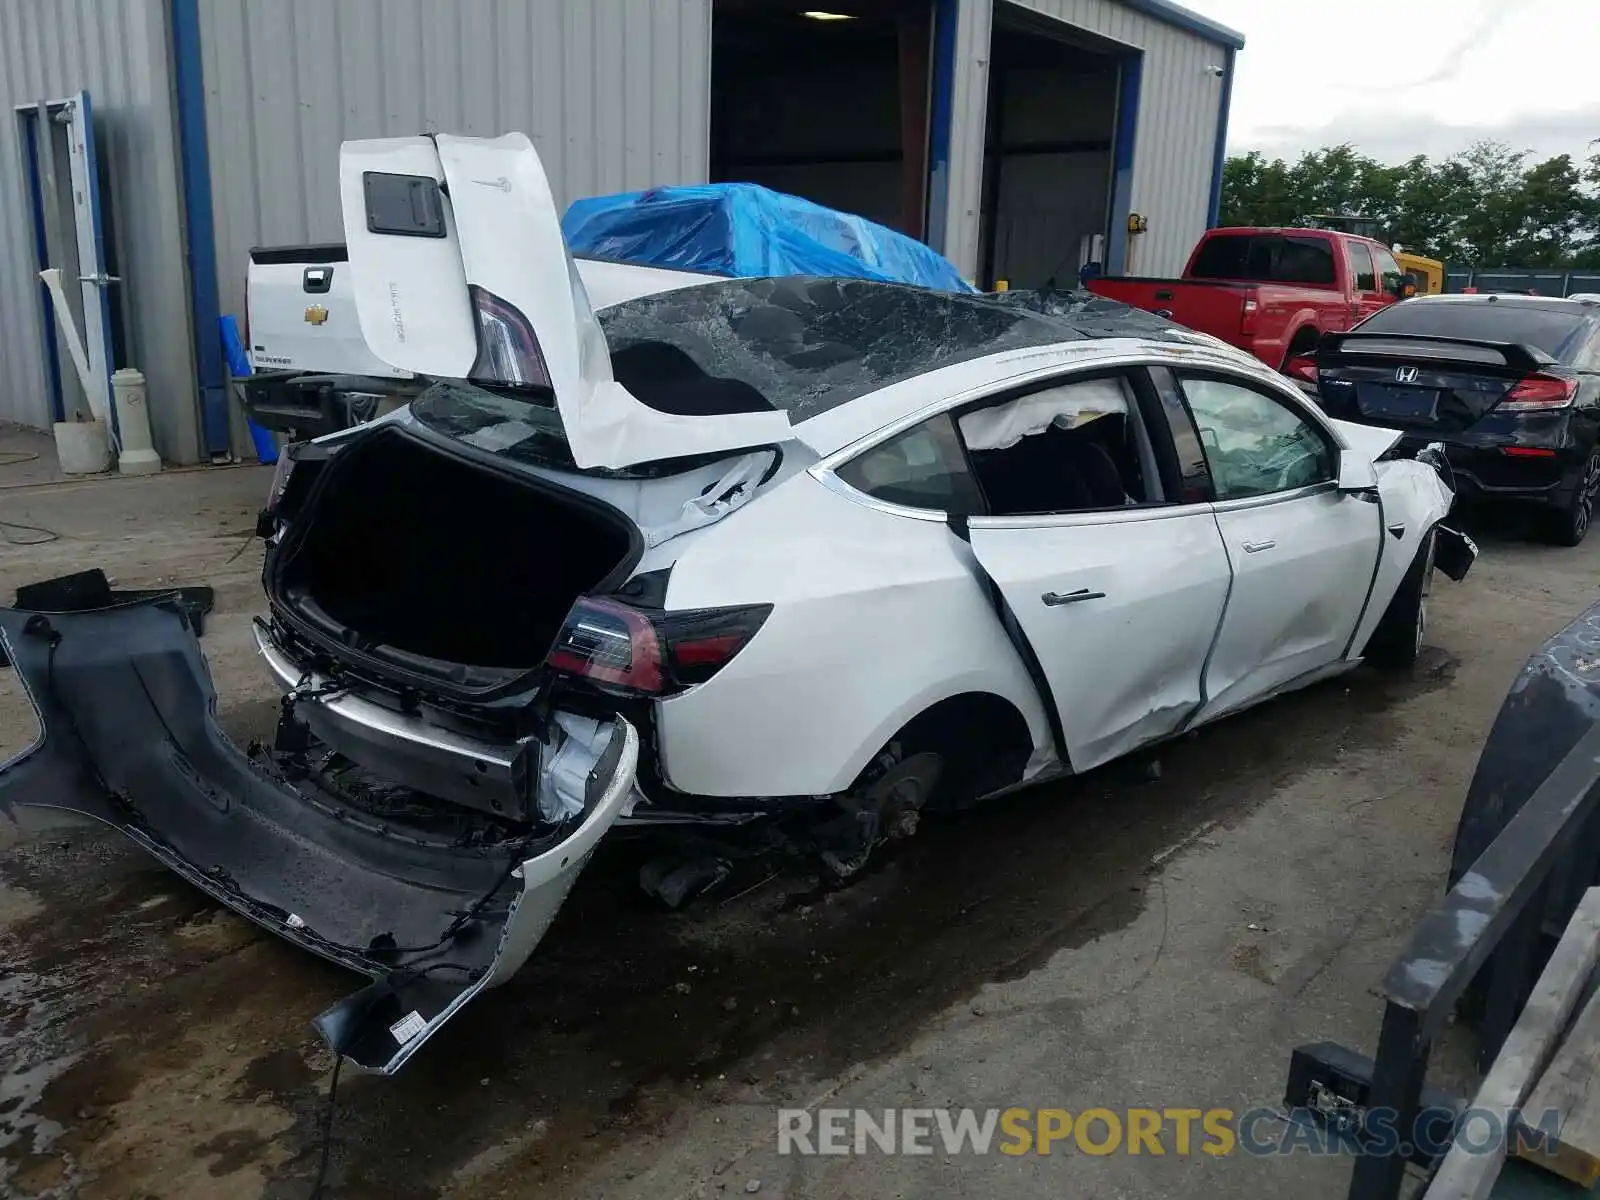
(1455, 940)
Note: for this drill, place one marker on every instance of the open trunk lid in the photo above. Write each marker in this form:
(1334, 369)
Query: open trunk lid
(460, 272)
(1422, 383)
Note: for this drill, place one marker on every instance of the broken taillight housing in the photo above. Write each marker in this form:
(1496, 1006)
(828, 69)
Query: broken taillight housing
(508, 348)
(280, 478)
(1540, 393)
(649, 652)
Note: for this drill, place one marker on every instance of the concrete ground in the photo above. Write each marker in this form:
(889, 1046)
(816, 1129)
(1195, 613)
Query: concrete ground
(1134, 939)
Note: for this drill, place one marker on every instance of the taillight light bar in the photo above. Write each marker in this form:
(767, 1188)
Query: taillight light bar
(508, 347)
(1247, 315)
(647, 652)
(1539, 392)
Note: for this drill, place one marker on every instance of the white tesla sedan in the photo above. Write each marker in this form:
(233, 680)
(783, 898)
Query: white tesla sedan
(730, 549)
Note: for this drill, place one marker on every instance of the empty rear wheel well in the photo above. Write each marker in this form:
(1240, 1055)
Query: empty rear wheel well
(983, 738)
(1305, 339)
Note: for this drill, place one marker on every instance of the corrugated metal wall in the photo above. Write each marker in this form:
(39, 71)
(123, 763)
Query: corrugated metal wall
(118, 51)
(615, 94)
(1175, 138)
(969, 106)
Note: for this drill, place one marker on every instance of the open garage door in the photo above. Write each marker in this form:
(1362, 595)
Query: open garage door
(825, 99)
(1048, 152)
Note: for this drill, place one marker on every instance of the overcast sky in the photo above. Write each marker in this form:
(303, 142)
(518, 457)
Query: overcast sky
(1404, 77)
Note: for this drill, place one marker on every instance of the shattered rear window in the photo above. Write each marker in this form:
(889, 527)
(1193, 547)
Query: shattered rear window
(806, 345)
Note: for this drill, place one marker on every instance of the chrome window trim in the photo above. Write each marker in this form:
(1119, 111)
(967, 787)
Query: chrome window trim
(1093, 516)
(1300, 493)
(840, 488)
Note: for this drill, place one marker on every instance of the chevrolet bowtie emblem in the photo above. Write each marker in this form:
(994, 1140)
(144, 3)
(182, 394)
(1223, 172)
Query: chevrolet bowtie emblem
(316, 315)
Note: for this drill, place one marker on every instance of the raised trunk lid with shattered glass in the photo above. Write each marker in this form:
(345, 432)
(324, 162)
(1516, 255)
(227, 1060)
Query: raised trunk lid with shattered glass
(461, 272)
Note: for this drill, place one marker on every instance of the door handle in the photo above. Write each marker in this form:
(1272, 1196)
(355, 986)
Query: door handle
(1055, 598)
(1258, 547)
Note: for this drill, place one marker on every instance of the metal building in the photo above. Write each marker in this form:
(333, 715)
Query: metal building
(1021, 137)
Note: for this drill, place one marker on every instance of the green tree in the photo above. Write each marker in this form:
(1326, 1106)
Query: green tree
(1487, 206)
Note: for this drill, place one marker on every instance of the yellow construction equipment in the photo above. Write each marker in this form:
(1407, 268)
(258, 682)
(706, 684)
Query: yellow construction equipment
(1428, 272)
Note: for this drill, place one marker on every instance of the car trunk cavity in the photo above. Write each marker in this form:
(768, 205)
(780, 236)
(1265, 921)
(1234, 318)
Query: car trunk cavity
(417, 558)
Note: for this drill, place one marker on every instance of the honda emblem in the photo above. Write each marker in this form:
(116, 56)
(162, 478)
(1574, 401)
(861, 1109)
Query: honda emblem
(1405, 374)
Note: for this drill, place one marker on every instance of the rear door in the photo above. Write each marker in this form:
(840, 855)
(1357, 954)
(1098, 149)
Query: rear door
(460, 272)
(1116, 586)
(1302, 552)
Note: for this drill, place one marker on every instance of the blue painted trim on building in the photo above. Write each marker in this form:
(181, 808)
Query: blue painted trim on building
(1186, 19)
(941, 120)
(1219, 155)
(41, 247)
(91, 160)
(200, 231)
(1129, 84)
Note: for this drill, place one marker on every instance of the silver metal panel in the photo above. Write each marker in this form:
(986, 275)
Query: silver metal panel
(118, 51)
(1175, 136)
(614, 93)
(969, 112)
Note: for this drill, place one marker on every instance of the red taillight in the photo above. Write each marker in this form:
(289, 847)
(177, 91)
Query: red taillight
(1247, 316)
(1538, 392)
(1302, 367)
(647, 652)
(508, 348)
(1526, 452)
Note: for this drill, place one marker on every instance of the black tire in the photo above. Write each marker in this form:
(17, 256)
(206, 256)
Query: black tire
(1569, 524)
(1397, 641)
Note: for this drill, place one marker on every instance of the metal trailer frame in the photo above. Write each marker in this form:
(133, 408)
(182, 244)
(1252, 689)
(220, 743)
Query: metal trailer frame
(1482, 949)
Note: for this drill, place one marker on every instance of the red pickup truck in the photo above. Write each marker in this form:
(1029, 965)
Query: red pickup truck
(1272, 292)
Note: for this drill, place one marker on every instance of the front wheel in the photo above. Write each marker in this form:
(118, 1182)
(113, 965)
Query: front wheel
(1397, 641)
(1570, 523)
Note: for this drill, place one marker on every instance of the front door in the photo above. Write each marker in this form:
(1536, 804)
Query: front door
(1302, 551)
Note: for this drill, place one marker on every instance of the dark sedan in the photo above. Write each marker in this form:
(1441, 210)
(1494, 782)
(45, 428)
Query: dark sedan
(1509, 384)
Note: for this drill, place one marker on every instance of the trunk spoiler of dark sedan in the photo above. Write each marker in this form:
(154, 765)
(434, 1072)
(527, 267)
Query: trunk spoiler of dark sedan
(129, 737)
(1518, 356)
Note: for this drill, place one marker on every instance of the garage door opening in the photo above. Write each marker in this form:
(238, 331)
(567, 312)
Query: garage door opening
(1048, 152)
(822, 99)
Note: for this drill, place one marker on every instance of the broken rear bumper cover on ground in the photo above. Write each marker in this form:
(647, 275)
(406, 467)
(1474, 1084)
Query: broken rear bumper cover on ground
(129, 736)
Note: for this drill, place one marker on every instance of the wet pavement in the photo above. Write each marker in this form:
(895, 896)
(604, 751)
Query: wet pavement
(1150, 934)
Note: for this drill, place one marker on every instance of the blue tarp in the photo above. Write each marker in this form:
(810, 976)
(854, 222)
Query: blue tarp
(239, 367)
(748, 230)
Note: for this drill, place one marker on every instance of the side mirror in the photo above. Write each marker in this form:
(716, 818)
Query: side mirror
(1356, 473)
(1405, 287)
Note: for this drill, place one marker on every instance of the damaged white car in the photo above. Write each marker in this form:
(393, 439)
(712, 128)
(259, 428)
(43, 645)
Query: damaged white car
(740, 548)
